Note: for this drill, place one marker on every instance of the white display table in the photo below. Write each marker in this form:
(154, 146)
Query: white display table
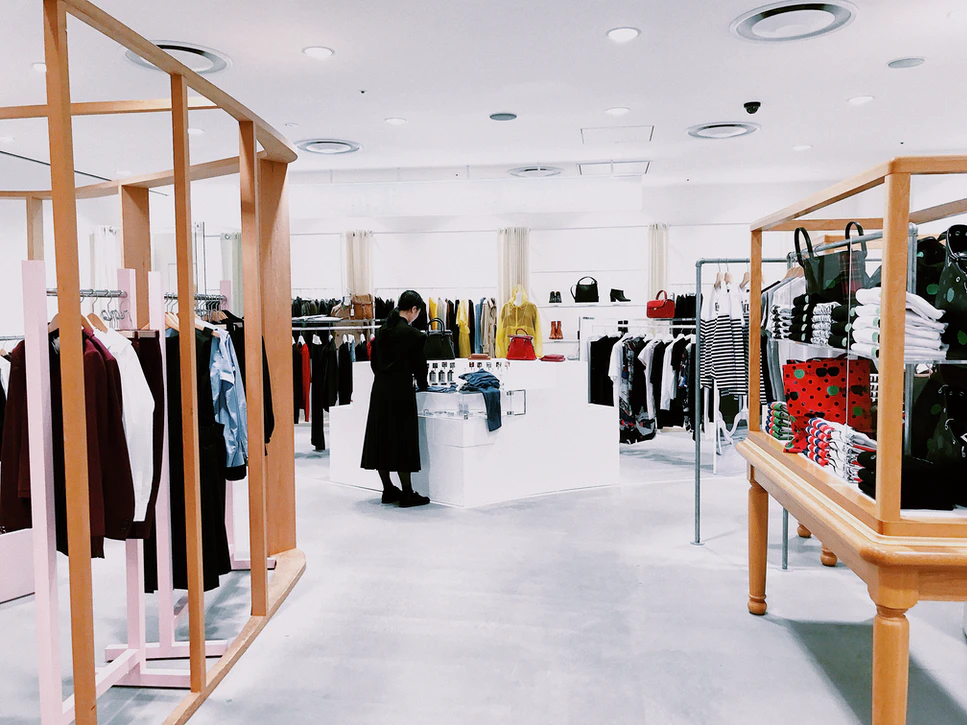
(551, 439)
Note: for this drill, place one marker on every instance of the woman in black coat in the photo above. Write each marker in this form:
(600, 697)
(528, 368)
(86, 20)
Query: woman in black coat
(392, 440)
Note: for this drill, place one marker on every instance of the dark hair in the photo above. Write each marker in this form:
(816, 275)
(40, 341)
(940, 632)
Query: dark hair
(408, 300)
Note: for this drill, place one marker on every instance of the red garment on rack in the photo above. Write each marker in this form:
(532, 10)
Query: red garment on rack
(306, 375)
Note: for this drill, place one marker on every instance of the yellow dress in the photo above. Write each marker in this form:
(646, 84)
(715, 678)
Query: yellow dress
(513, 317)
(463, 325)
(433, 308)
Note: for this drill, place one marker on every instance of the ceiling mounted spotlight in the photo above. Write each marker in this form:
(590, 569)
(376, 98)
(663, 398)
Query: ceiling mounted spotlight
(623, 35)
(292, 124)
(317, 51)
(202, 60)
(722, 130)
(786, 21)
(395, 121)
(328, 146)
(39, 67)
(503, 116)
(802, 147)
(535, 172)
(911, 62)
(860, 100)
(618, 111)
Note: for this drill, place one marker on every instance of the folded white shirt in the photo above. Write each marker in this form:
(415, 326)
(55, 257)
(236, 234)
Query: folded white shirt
(914, 302)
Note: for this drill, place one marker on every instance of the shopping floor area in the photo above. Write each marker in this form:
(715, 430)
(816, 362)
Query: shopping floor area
(585, 607)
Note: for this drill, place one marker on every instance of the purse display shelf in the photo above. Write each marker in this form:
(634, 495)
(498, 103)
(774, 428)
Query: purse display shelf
(903, 556)
(575, 305)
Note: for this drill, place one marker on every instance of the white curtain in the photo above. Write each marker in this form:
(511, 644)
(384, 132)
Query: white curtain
(513, 262)
(658, 268)
(105, 257)
(358, 244)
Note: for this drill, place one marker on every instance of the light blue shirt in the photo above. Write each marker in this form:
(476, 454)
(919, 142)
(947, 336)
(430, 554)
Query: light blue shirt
(228, 396)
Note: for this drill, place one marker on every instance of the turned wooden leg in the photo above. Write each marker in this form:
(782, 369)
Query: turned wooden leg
(803, 532)
(758, 547)
(828, 557)
(891, 666)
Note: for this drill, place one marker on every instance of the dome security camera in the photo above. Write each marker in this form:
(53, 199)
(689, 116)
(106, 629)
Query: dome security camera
(752, 107)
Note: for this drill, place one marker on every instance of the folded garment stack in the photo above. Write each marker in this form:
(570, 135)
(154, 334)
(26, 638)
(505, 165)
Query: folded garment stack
(925, 485)
(809, 320)
(838, 447)
(778, 422)
(922, 332)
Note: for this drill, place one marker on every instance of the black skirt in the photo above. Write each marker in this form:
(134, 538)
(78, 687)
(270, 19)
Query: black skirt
(392, 440)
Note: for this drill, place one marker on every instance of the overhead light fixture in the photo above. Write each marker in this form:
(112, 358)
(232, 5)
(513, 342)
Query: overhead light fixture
(328, 146)
(802, 147)
(395, 121)
(860, 100)
(196, 131)
(911, 62)
(7, 140)
(122, 173)
(202, 60)
(503, 116)
(39, 67)
(623, 35)
(292, 125)
(723, 130)
(786, 21)
(317, 51)
(535, 172)
(618, 111)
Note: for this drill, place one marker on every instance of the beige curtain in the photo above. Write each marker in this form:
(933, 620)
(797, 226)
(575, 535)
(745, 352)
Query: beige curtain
(658, 267)
(358, 244)
(105, 257)
(513, 262)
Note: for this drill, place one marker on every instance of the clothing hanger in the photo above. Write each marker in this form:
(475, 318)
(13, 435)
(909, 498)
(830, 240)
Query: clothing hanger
(96, 321)
(746, 280)
(718, 279)
(728, 275)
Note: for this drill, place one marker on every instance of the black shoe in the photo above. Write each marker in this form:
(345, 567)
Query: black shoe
(393, 495)
(618, 295)
(558, 298)
(411, 499)
(550, 299)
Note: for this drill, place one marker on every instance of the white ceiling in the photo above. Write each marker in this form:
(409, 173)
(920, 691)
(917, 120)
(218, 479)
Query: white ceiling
(445, 65)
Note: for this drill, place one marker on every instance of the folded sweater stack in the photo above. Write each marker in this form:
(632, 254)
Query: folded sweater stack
(778, 422)
(809, 320)
(922, 331)
(837, 447)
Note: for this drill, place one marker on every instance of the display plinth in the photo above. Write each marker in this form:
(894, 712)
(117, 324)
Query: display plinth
(557, 442)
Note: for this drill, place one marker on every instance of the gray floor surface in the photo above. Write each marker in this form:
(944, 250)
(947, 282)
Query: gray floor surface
(585, 607)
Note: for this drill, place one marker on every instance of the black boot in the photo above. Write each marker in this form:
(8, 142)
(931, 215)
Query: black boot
(618, 295)
(409, 499)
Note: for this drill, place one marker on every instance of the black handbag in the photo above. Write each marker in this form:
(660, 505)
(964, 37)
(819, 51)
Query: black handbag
(585, 292)
(439, 343)
(834, 277)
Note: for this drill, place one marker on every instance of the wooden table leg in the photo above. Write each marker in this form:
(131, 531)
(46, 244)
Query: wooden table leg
(803, 532)
(891, 666)
(758, 547)
(828, 557)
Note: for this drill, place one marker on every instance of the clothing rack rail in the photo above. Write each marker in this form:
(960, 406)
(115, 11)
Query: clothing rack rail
(94, 293)
(198, 297)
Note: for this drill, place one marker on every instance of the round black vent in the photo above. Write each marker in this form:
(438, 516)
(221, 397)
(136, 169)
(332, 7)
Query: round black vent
(204, 61)
(786, 21)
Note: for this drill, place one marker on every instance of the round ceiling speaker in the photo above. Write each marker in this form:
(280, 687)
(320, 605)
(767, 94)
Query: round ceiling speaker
(328, 146)
(786, 21)
(721, 131)
(204, 61)
(535, 172)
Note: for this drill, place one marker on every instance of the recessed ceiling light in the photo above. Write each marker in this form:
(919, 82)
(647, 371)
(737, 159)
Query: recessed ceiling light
(122, 173)
(787, 20)
(860, 100)
(623, 35)
(292, 125)
(202, 60)
(39, 67)
(503, 116)
(395, 121)
(618, 111)
(7, 139)
(802, 147)
(317, 51)
(328, 146)
(722, 130)
(531, 172)
(911, 62)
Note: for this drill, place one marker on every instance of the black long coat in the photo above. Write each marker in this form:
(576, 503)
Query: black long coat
(392, 440)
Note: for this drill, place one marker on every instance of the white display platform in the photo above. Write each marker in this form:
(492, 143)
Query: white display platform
(560, 443)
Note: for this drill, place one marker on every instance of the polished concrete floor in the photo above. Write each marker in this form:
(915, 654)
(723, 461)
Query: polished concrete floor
(587, 607)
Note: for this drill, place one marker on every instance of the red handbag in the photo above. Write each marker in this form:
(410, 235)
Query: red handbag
(553, 358)
(521, 346)
(661, 307)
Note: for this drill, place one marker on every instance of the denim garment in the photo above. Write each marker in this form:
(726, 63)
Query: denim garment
(228, 395)
(489, 386)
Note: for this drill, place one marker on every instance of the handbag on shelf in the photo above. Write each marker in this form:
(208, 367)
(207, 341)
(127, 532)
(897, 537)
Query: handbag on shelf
(521, 346)
(553, 358)
(836, 276)
(661, 307)
(341, 311)
(585, 293)
(480, 356)
(364, 307)
(439, 343)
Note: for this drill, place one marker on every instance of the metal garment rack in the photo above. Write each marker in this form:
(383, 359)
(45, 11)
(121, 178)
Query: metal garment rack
(198, 297)
(94, 293)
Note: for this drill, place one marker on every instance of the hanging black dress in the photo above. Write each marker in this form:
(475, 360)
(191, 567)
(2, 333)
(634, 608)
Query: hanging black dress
(392, 440)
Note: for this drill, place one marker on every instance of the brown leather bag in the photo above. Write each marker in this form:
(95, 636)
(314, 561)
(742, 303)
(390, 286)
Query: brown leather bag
(364, 307)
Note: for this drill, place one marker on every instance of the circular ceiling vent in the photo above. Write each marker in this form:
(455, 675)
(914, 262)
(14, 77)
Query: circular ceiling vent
(328, 146)
(202, 60)
(503, 116)
(535, 172)
(722, 130)
(786, 21)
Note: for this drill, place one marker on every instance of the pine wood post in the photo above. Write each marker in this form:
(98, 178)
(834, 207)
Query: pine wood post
(252, 289)
(758, 546)
(891, 666)
(277, 331)
(136, 242)
(755, 336)
(189, 389)
(35, 227)
(72, 360)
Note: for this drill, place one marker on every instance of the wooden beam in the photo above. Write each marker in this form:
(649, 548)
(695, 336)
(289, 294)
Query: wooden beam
(107, 108)
(42, 194)
(274, 143)
(277, 331)
(928, 165)
(826, 225)
(208, 170)
(136, 242)
(35, 228)
(72, 362)
(252, 289)
(892, 336)
(189, 383)
(941, 211)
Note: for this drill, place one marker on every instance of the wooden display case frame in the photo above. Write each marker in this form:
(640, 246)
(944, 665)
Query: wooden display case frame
(266, 286)
(903, 556)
